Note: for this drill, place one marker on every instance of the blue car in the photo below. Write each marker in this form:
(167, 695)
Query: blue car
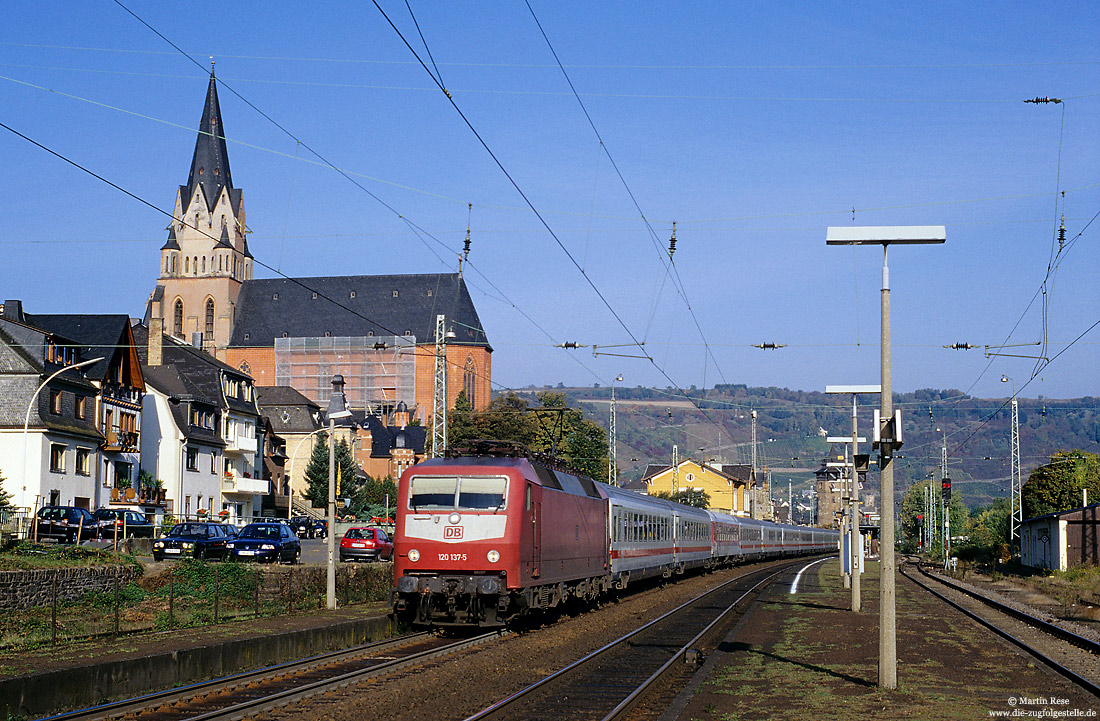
(273, 542)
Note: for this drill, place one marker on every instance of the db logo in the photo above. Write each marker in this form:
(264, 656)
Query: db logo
(452, 531)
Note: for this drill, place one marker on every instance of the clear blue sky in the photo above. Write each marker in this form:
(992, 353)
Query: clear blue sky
(753, 126)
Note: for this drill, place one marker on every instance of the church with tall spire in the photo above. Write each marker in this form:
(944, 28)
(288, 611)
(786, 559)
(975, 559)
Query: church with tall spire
(205, 260)
(377, 331)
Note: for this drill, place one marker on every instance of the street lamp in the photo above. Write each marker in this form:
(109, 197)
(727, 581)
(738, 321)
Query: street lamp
(889, 433)
(290, 510)
(1016, 517)
(337, 408)
(27, 419)
(612, 463)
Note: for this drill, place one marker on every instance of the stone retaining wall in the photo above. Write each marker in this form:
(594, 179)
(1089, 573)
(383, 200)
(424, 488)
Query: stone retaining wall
(32, 589)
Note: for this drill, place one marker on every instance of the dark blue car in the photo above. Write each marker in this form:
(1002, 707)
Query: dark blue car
(273, 542)
(195, 540)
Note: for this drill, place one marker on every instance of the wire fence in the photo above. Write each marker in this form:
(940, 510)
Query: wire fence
(191, 594)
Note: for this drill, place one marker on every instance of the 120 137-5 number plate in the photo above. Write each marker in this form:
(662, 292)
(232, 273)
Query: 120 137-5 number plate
(452, 557)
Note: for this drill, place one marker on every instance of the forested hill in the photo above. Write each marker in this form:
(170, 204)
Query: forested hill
(791, 426)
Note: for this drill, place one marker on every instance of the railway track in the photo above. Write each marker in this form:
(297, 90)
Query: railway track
(607, 683)
(1073, 656)
(254, 692)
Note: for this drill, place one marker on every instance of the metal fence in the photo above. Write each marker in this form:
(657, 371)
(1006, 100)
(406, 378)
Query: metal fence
(191, 594)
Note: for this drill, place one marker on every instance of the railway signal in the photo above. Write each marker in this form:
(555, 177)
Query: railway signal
(945, 487)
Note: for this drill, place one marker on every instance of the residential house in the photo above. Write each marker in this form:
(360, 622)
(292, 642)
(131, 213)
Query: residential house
(201, 429)
(49, 439)
(729, 487)
(117, 411)
(296, 419)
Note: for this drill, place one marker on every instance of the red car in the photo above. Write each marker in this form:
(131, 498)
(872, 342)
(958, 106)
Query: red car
(365, 544)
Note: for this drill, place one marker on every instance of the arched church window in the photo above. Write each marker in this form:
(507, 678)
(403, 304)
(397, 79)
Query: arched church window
(204, 264)
(177, 319)
(186, 264)
(469, 381)
(208, 333)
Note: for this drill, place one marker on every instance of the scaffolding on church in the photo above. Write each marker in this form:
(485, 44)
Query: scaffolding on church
(379, 371)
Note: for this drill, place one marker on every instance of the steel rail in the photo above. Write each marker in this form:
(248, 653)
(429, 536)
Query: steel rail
(1052, 628)
(1069, 673)
(630, 701)
(635, 695)
(272, 701)
(172, 695)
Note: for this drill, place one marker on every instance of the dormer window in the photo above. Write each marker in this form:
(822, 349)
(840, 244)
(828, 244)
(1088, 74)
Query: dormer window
(351, 294)
(429, 292)
(274, 296)
(315, 296)
(327, 334)
(201, 171)
(395, 294)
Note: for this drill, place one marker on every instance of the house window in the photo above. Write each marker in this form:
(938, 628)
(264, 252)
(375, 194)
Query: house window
(55, 402)
(81, 407)
(177, 319)
(213, 461)
(192, 465)
(209, 319)
(123, 472)
(57, 458)
(83, 467)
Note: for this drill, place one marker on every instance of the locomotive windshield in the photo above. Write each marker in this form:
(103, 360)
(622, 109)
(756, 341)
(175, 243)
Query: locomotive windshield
(474, 493)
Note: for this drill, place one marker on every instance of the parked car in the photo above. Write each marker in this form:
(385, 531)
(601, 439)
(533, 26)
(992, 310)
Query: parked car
(265, 542)
(365, 544)
(303, 527)
(128, 524)
(195, 539)
(64, 524)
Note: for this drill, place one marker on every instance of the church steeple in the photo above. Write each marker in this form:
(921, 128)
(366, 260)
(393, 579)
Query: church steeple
(210, 164)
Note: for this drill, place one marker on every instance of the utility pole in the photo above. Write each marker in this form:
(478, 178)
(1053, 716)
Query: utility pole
(1016, 513)
(675, 470)
(439, 411)
(752, 497)
(613, 461)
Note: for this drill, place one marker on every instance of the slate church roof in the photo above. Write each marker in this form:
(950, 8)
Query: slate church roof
(380, 305)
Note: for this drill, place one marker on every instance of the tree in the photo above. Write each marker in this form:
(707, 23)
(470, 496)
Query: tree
(912, 507)
(5, 497)
(370, 502)
(554, 427)
(317, 471)
(1057, 485)
(689, 497)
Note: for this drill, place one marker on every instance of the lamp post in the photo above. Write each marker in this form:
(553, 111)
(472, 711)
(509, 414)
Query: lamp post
(613, 462)
(337, 408)
(889, 433)
(1016, 517)
(34, 396)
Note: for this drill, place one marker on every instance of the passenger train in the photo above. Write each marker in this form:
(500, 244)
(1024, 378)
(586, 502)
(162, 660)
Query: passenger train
(492, 532)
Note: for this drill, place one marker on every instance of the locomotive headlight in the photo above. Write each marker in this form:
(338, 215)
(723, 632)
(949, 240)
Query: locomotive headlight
(414, 555)
(493, 556)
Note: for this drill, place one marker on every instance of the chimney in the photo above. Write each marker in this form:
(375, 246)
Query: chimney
(156, 341)
(13, 310)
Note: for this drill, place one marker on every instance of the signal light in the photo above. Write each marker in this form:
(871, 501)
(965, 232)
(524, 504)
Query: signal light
(945, 487)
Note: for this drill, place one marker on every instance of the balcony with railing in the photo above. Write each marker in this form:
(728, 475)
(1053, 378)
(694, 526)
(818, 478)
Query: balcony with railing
(234, 482)
(145, 496)
(121, 441)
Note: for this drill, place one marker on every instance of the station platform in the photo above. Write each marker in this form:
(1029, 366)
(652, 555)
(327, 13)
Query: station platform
(805, 655)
